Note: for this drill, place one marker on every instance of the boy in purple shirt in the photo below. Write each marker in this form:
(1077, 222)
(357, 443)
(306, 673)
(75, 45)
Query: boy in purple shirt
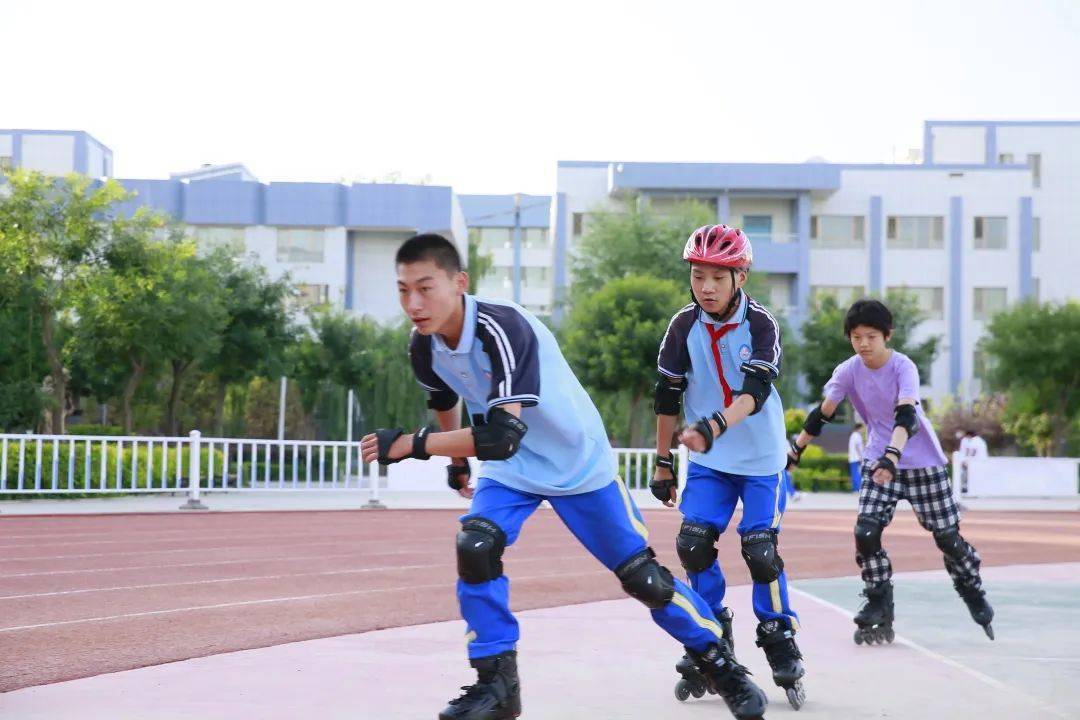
(883, 385)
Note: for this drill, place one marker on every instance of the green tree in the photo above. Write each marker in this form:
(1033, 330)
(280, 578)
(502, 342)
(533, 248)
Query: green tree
(125, 307)
(52, 234)
(22, 364)
(479, 263)
(257, 333)
(1034, 350)
(612, 338)
(824, 345)
(193, 316)
(634, 240)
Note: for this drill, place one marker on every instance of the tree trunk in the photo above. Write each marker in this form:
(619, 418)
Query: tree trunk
(219, 408)
(130, 387)
(56, 369)
(635, 420)
(178, 369)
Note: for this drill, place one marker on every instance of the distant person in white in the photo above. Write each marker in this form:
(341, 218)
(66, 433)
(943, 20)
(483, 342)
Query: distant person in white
(855, 447)
(972, 447)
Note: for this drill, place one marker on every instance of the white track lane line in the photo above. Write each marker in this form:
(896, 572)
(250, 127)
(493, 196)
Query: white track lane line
(242, 578)
(972, 672)
(267, 601)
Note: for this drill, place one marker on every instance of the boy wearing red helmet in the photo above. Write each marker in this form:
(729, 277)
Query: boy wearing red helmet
(719, 358)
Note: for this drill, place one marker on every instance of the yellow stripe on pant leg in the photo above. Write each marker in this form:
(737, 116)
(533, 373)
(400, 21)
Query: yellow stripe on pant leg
(710, 625)
(774, 593)
(776, 502)
(629, 505)
(470, 636)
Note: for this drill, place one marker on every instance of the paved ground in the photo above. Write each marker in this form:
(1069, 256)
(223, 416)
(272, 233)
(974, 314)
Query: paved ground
(83, 595)
(606, 660)
(248, 501)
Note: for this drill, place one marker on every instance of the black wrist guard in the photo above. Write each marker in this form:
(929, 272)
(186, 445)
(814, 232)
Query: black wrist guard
(385, 438)
(668, 463)
(419, 444)
(894, 450)
(457, 476)
(795, 455)
(884, 463)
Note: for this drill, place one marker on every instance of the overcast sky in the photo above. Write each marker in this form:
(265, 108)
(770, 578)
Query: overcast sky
(487, 96)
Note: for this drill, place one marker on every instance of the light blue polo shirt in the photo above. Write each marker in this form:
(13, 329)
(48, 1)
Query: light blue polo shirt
(709, 353)
(506, 355)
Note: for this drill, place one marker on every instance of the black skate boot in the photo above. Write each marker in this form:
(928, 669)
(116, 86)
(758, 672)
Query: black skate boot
(728, 679)
(981, 612)
(693, 682)
(875, 617)
(496, 694)
(784, 657)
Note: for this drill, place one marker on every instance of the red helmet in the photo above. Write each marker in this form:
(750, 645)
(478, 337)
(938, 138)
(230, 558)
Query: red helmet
(719, 245)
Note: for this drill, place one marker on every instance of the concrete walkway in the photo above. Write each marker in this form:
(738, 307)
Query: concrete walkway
(607, 660)
(439, 499)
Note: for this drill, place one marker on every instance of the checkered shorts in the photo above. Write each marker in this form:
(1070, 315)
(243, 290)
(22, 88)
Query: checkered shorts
(929, 491)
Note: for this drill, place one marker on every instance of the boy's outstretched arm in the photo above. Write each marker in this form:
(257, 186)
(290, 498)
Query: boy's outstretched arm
(497, 439)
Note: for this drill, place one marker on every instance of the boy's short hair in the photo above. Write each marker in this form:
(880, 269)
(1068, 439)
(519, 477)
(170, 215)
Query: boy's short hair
(430, 246)
(871, 313)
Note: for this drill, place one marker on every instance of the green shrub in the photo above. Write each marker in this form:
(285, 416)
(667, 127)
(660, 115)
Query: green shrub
(92, 429)
(112, 456)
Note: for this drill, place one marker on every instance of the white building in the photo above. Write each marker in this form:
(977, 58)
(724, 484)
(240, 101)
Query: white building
(986, 219)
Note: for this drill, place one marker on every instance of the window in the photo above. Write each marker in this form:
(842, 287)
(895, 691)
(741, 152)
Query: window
(535, 277)
(757, 227)
(916, 233)
(931, 300)
(989, 302)
(1005, 159)
(6, 162)
(534, 238)
(778, 289)
(578, 223)
(837, 231)
(1036, 234)
(495, 238)
(990, 233)
(1035, 291)
(843, 294)
(300, 245)
(311, 295)
(539, 309)
(211, 238)
(1035, 163)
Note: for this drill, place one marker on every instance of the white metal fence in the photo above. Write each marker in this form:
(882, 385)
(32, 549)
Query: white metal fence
(94, 464)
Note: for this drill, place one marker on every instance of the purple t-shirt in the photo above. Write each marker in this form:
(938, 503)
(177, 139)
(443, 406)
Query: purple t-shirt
(874, 394)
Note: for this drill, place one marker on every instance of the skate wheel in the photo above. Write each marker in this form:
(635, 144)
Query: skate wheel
(859, 637)
(796, 695)
(682, 691)
(879, 636)
(989, 631)
(697, 691)
(890, 635)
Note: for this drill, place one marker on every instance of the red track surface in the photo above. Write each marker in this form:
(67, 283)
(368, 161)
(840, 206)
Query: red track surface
(84, 595)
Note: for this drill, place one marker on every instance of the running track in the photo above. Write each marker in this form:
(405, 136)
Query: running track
(84, 595)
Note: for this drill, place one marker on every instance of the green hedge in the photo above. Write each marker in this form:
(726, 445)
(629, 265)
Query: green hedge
(91, 429)
(10, 480)
(825, 473)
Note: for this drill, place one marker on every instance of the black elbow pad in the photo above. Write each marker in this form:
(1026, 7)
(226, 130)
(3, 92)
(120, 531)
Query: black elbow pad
(815, 421)
(907, 418)
(500, 437)
(442, 399)
(757, 384)
(667, 397)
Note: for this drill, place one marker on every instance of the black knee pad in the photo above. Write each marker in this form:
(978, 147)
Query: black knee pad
(646, 580)
(867, 535)
(761, 556)
(951, 543)
(480, 545)
(696, 545)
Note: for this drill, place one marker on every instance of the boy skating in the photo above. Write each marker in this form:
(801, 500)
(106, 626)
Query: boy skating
(541, 438)
(903, 461)
(719, 357)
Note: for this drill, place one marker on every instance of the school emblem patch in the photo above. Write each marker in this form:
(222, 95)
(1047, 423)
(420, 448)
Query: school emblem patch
(744, 353)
